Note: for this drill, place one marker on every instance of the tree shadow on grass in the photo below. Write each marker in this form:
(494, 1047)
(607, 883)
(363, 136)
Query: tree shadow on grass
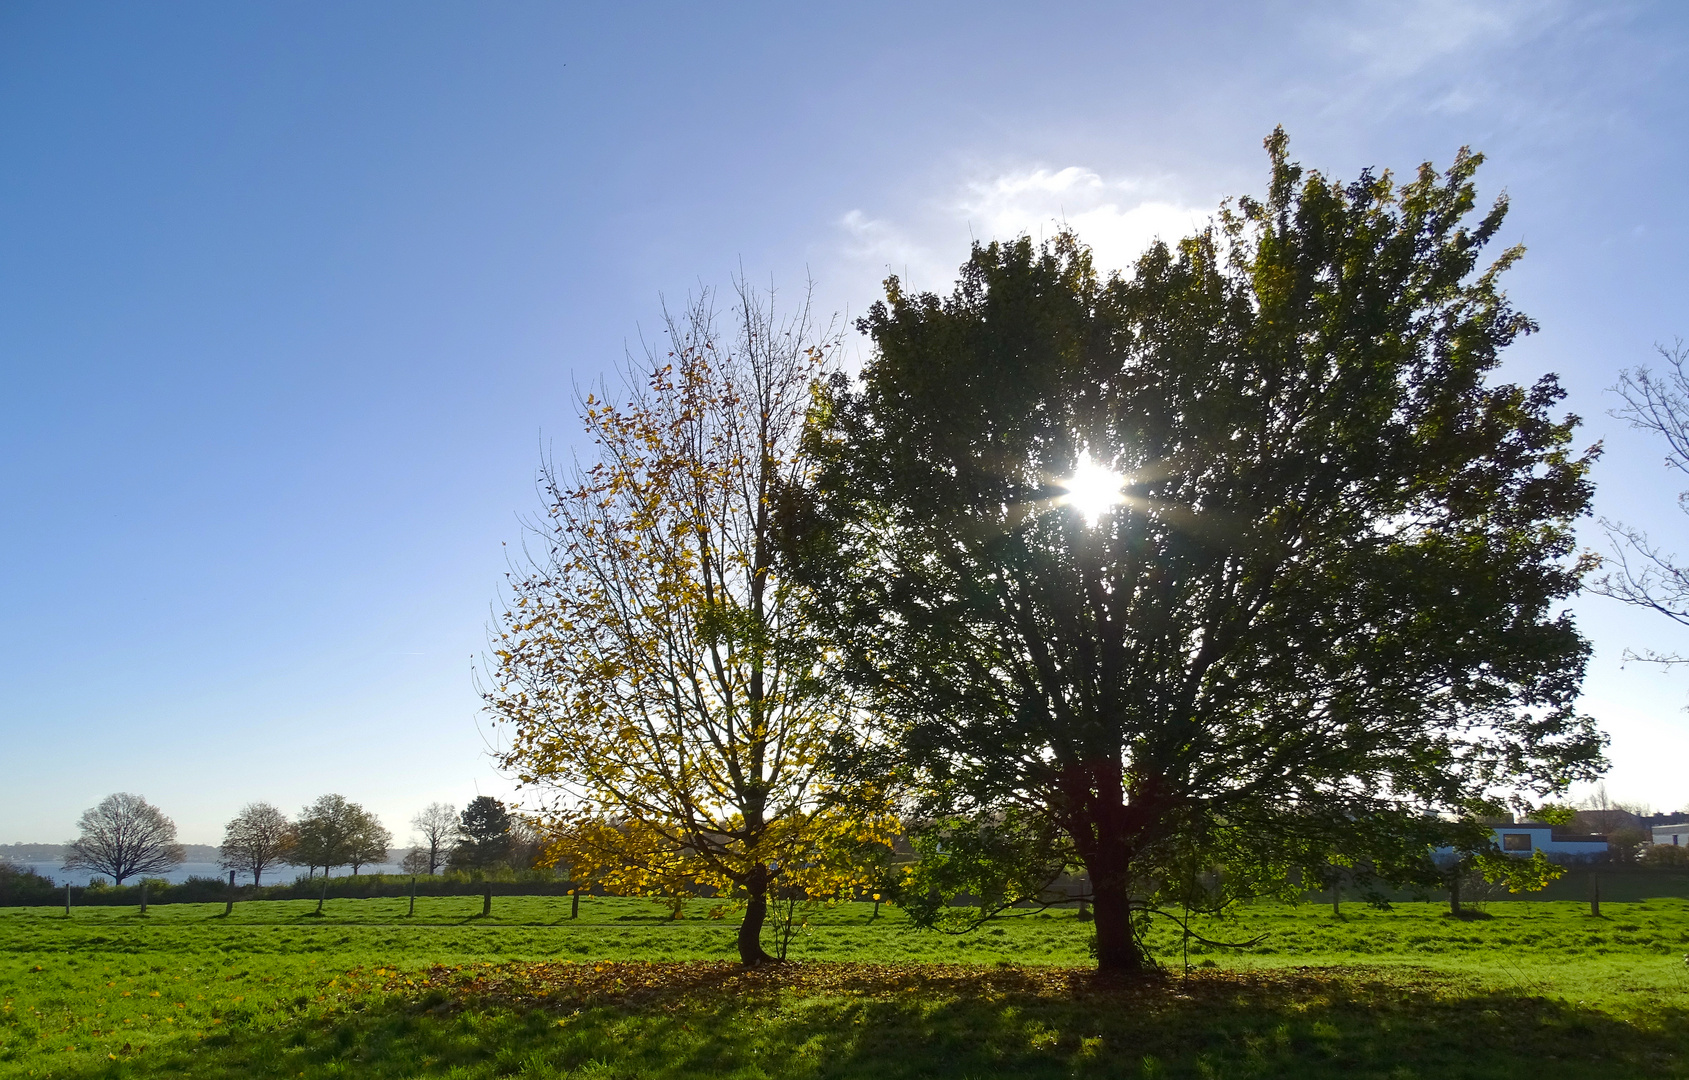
(888, 1023)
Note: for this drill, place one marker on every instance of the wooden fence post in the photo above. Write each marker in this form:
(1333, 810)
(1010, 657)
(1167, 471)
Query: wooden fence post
(1594, 894)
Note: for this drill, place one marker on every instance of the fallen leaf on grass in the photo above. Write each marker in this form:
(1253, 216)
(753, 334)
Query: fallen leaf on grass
(565, 985)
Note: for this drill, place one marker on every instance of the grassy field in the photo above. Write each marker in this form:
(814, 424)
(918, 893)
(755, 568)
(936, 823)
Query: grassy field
(1536, 989)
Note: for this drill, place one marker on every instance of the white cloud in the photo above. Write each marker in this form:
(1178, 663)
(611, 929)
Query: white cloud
(1119, 219)
(1400, 40)
(1116, 218)
(1522, 64)
(879, 242)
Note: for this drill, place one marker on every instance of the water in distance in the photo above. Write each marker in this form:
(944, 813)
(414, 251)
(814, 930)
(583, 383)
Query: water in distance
(281, 875)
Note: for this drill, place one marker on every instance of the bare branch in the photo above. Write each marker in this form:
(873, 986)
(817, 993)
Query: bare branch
(124, 836)
(1644, 574)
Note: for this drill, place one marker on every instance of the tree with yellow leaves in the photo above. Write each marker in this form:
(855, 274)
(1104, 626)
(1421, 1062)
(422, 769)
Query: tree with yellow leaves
(652, 670)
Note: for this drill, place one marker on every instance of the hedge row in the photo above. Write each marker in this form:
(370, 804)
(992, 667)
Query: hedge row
(28, 889)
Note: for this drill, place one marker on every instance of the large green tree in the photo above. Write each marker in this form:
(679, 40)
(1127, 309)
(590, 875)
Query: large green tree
(1242, 558)
(334, 831)
(483, 835)
(370, 839)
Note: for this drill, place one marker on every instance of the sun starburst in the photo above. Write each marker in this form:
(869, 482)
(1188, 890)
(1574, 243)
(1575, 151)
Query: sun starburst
(1094, 489)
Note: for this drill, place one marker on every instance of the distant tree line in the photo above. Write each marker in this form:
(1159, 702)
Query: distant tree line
(22, 887)
(126, 837)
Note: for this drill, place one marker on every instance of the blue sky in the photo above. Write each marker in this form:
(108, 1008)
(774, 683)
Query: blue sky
(292, 295)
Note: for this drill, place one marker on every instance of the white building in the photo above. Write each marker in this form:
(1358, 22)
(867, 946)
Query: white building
(1527, 837)
(1674, 835)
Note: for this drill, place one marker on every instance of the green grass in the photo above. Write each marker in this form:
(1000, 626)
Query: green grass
(1538, 990)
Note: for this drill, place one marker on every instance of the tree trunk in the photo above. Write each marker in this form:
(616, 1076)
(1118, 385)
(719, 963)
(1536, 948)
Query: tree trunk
(143, 896)
(1109, 829)
(1336, 901)
(1118, 951)
(1595, 894)
(487, 901)
(324, 894)
(751, 953)
(412, 911)
(229, 900)
(1454, 896)
(575, 903)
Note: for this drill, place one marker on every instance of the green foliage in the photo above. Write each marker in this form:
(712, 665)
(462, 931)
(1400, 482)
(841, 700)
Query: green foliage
(334, 831)
(484, 831)
(1329, 603)
(21, 885)
(996, 865)
(1625, 842)
(1519, 875)
(1555, 814)
(198, 890)
(1665, 856)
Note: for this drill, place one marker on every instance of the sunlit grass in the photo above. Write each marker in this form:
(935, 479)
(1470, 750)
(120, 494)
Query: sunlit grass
(273, 990)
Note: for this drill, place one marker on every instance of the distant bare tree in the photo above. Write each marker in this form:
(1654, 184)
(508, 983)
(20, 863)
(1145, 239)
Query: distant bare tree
(123, 836)
(257, 839)
(1601, 813)
(437, 826)
(1621, 822)
(415, 862)
(1644, 573)
(527, 844)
